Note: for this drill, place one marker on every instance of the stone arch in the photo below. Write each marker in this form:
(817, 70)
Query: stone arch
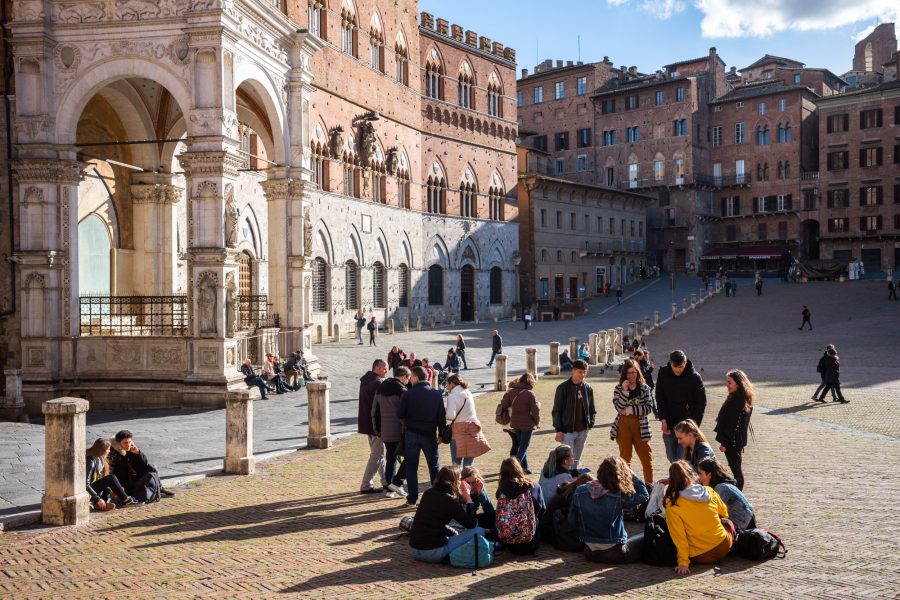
(438, 253)
(383, 249)
(355, 249)
(495, 81)
(468, 253)
(251, 240)
(435, 59)
(323, 246)
(437, 173)
(496, 256)
(466, 71)
(258, 81)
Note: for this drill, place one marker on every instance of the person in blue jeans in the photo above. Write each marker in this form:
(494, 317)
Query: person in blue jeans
(449, 499)
(422, 414)
(680, 395)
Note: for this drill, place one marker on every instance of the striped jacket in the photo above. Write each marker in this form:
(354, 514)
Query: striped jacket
(641, 406)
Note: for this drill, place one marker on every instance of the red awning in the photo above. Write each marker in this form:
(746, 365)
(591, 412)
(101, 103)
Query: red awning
(759, 252)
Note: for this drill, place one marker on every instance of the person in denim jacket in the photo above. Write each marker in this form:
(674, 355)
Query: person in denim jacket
(740, 511)
(597, 513)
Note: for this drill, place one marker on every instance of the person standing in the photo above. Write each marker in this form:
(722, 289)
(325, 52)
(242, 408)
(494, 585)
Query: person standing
(680, 395)
(468, 441)
(373, 329)
(806, 315)
(526, 316)
(360, 323)
(759, 284)
(619, 295)
(892, 291)
(524, 415)
(631, 429)
(573, 410)
(461, 350)
(496, 346)
(734, 421)
(833, 377)
(820, 369)
(422, 414)
(368, 386)
(387, 427)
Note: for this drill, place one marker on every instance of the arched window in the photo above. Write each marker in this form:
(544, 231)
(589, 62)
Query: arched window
(766, 135)
(320, 165)
(544, 256)
(467, 200)
(437, 194)
(495, 199)
(787, 169)
(766, 172)
(559, 258)
(787, 133)
(403, 285)
(495, 97)
(93, 256)
(320, 285)
(759, 135)
(351, 284)
(317, 12)
(348, 32)
(573, 257)
(780, 133)
(436, 285)
(434, 87)
(378, 286)
(496, 285)
(780, 171)
(465, 87)
(376, 49)
(401, 55)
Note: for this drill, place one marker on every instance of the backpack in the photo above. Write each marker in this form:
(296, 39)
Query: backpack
(758, 544)
(464, 557)
(658, 549)
(516, 523)
(565, 535)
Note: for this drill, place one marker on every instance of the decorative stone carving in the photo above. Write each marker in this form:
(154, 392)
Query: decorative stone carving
(206, 303)
(336, 142)
(126, 354)
(120, 10)
(367, 143)
(81, 12)
(28, 10)
(162, 356)
(231, 312)
(40, 170)
(209, 357)
(307, 233)
(392, 161)
(232, 218)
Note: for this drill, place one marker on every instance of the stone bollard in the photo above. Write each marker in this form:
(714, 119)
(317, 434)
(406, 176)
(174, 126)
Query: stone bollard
(390, 327)
(718, 286)
(573, 348)
(610, 345)
(693, 301)
(646, 326)
(531, 361)
(637, 332)
(453, 321)
(65, 500)
(592, 347)
(337, 332)
(431, 322)
(500, 373)
(684, 306)
(418, 323)
(405, 325)
(674, 311)
(656, 321)
(239, 459)
(700, 296)
(319, 335)
(631, 330)
(601, 347)
(319, 416)
(12, 405)
(554, 358)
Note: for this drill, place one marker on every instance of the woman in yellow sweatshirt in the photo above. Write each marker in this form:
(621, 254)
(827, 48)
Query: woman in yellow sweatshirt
(693, 515)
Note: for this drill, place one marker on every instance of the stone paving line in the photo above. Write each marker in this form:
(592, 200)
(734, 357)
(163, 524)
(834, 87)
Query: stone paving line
(186, 444)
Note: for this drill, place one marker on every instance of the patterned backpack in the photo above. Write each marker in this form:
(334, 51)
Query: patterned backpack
(516, 523)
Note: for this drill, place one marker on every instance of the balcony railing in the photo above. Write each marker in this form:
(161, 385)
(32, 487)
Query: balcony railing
(613, 246)
(165, 316)
(253, 312)
(809, 176)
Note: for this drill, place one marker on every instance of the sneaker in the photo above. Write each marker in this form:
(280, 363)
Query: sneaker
(822, 400)
(167, 493)
(371, 491)
(397, 489)
(391, 495)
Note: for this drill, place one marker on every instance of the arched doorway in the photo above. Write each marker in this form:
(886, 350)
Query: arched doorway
(809, 240)
(467, 293)
(94, 248)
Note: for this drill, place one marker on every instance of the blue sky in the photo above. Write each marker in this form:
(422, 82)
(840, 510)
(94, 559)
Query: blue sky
(651, 33)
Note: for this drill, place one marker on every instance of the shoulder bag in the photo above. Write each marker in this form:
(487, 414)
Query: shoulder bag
(503, 415)
(447, 430)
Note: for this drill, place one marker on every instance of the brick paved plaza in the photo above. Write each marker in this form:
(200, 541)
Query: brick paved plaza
(824, 477)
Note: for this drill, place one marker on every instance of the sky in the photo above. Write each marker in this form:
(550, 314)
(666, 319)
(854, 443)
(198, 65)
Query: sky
(651, 33)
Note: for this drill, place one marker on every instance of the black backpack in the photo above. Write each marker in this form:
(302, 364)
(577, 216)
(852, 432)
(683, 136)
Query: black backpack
(565, 535)
(758, 544)
(658, 549)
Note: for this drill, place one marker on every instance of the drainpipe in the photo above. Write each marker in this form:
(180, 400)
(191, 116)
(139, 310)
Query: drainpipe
(7, 79)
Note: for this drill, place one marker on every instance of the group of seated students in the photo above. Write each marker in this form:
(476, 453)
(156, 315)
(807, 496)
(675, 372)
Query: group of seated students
(574, 510)
(118, 473)
(276, 376)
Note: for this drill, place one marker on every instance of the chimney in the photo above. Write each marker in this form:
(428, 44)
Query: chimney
(559, 64)
(580, 62)
(524, 73)
(569, 63)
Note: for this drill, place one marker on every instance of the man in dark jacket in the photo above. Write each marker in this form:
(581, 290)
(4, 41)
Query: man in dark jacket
(496, 346)
(573, 410)
(387, 426)
(820, 369)
(806, 316)
(422, 414)
(680, 395)
(368, 385)
(133, 470)
(252, 379)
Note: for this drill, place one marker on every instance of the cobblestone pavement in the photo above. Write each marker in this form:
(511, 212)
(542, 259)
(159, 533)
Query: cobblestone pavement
(823, 478)
(187, 442)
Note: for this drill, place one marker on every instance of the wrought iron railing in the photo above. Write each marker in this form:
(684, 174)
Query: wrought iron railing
(133, 315)
(253, 312)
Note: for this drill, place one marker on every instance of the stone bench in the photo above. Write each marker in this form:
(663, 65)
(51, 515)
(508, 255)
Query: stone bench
(546, 315)
(563, 315)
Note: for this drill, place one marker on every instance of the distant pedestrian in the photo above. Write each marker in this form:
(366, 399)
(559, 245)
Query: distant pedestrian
(832, 377)
(527, 317)
(759, 284)
(373, 329)
(733, 422)
(422, 414)
(892, 290)
(573, 410)
(461, 350)
(619, 295)
(496, 346)
(820, 369)
(806, 315)
(733, 289)
(557, 308)
(360, 324)
(368, 386)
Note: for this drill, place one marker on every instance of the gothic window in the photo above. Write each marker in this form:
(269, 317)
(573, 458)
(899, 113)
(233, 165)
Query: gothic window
(495, 199)
(320, 285)
(434, 87)
(351, 284)
(436, 190)
(378, 286)
(376, 50)
(495, 97)
(466, 87)
(403, 286)
(467, 200)
(496, 292)
(317, 12)
(401, 55)
(436, 285)
(348, 32)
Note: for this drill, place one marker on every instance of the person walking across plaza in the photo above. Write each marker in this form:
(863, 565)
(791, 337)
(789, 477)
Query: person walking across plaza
(631, 428)
(832, 378)
(524, 416)
(892, 291)
(573, 410)
(820, 369)
(806, 316)
(368, 386)
(373, 330)
(468, 441)
(496, 346)
(680, 395)
(423, 415)
(461, 351)
(619, 295)
(360, 324)
(759, 284)
(387, 426)
(733, 422)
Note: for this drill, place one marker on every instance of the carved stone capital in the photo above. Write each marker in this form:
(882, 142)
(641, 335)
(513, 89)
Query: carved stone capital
(283, 189)
(210, 164)
(143, 193)
(46, 170)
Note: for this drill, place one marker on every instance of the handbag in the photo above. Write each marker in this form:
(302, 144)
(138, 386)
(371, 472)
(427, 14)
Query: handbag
(447, 430)
(503, 415)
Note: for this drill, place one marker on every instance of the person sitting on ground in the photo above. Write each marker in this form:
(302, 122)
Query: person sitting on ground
(515, 513)
(559, 475)
(694, 516)
(410, 361)
(428, 369)
(452, 363)
(583, 353)
(449, 499)
(488, 516)
(597, 512)
(565, 362)
(134, 471)
(273, 379)
(101, 484)
(689, 437)
(388, 428)
(395, 357)
(740, 511)
(252, 379)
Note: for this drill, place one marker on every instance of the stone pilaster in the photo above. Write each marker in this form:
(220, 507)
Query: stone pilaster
(154, 236)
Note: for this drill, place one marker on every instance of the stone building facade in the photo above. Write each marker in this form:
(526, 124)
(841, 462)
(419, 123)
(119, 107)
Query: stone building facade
(197, 181)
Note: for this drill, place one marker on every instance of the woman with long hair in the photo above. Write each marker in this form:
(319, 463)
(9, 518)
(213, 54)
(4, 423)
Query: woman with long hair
(559, 475)
(100, 483)
(468, 442)
(631, 428)
(734, 421)
(488, 515)
(740, 511)
(694, 516)
(689, 437)
(597, 513)
(449, 499)
(524, 416)
(520, 505)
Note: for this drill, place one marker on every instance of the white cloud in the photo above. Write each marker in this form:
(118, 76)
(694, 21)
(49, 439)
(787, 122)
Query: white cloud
(738, 18)
(661, 9)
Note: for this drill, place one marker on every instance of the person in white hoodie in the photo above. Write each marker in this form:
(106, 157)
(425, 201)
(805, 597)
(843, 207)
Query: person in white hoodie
(468, 439)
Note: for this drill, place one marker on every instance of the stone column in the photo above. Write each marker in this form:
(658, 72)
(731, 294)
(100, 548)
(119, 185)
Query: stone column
(65, 501)
(405, 325)
(592, 347)
(336, 332)
(500, 373)
(319, 417)
(573, 348)
(602, 342)
(156, 252)
(554, 358)
(701, 295)
(239, 459)
(12, 405)
(693, 301)
(656, 321)
(611, 345)
(684, 306)
(631, 331)
(646, 326)
(620, 348)
(390, 327)
(319, 334)
(418, 323)
(531, 361)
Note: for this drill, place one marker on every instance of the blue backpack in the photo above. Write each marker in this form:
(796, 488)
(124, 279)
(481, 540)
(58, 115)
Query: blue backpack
(464, 557)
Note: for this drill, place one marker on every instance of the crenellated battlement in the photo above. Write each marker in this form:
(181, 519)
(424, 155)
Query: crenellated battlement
(469, 38)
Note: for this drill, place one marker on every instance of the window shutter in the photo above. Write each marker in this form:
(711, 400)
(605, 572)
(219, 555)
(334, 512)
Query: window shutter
(724, 205)
(862, 196)
(830, 123)
(788, 202)
(879, 194)
(846, 162)
(862, 123)
(878, 114)
(862, 157)
(879, 156)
